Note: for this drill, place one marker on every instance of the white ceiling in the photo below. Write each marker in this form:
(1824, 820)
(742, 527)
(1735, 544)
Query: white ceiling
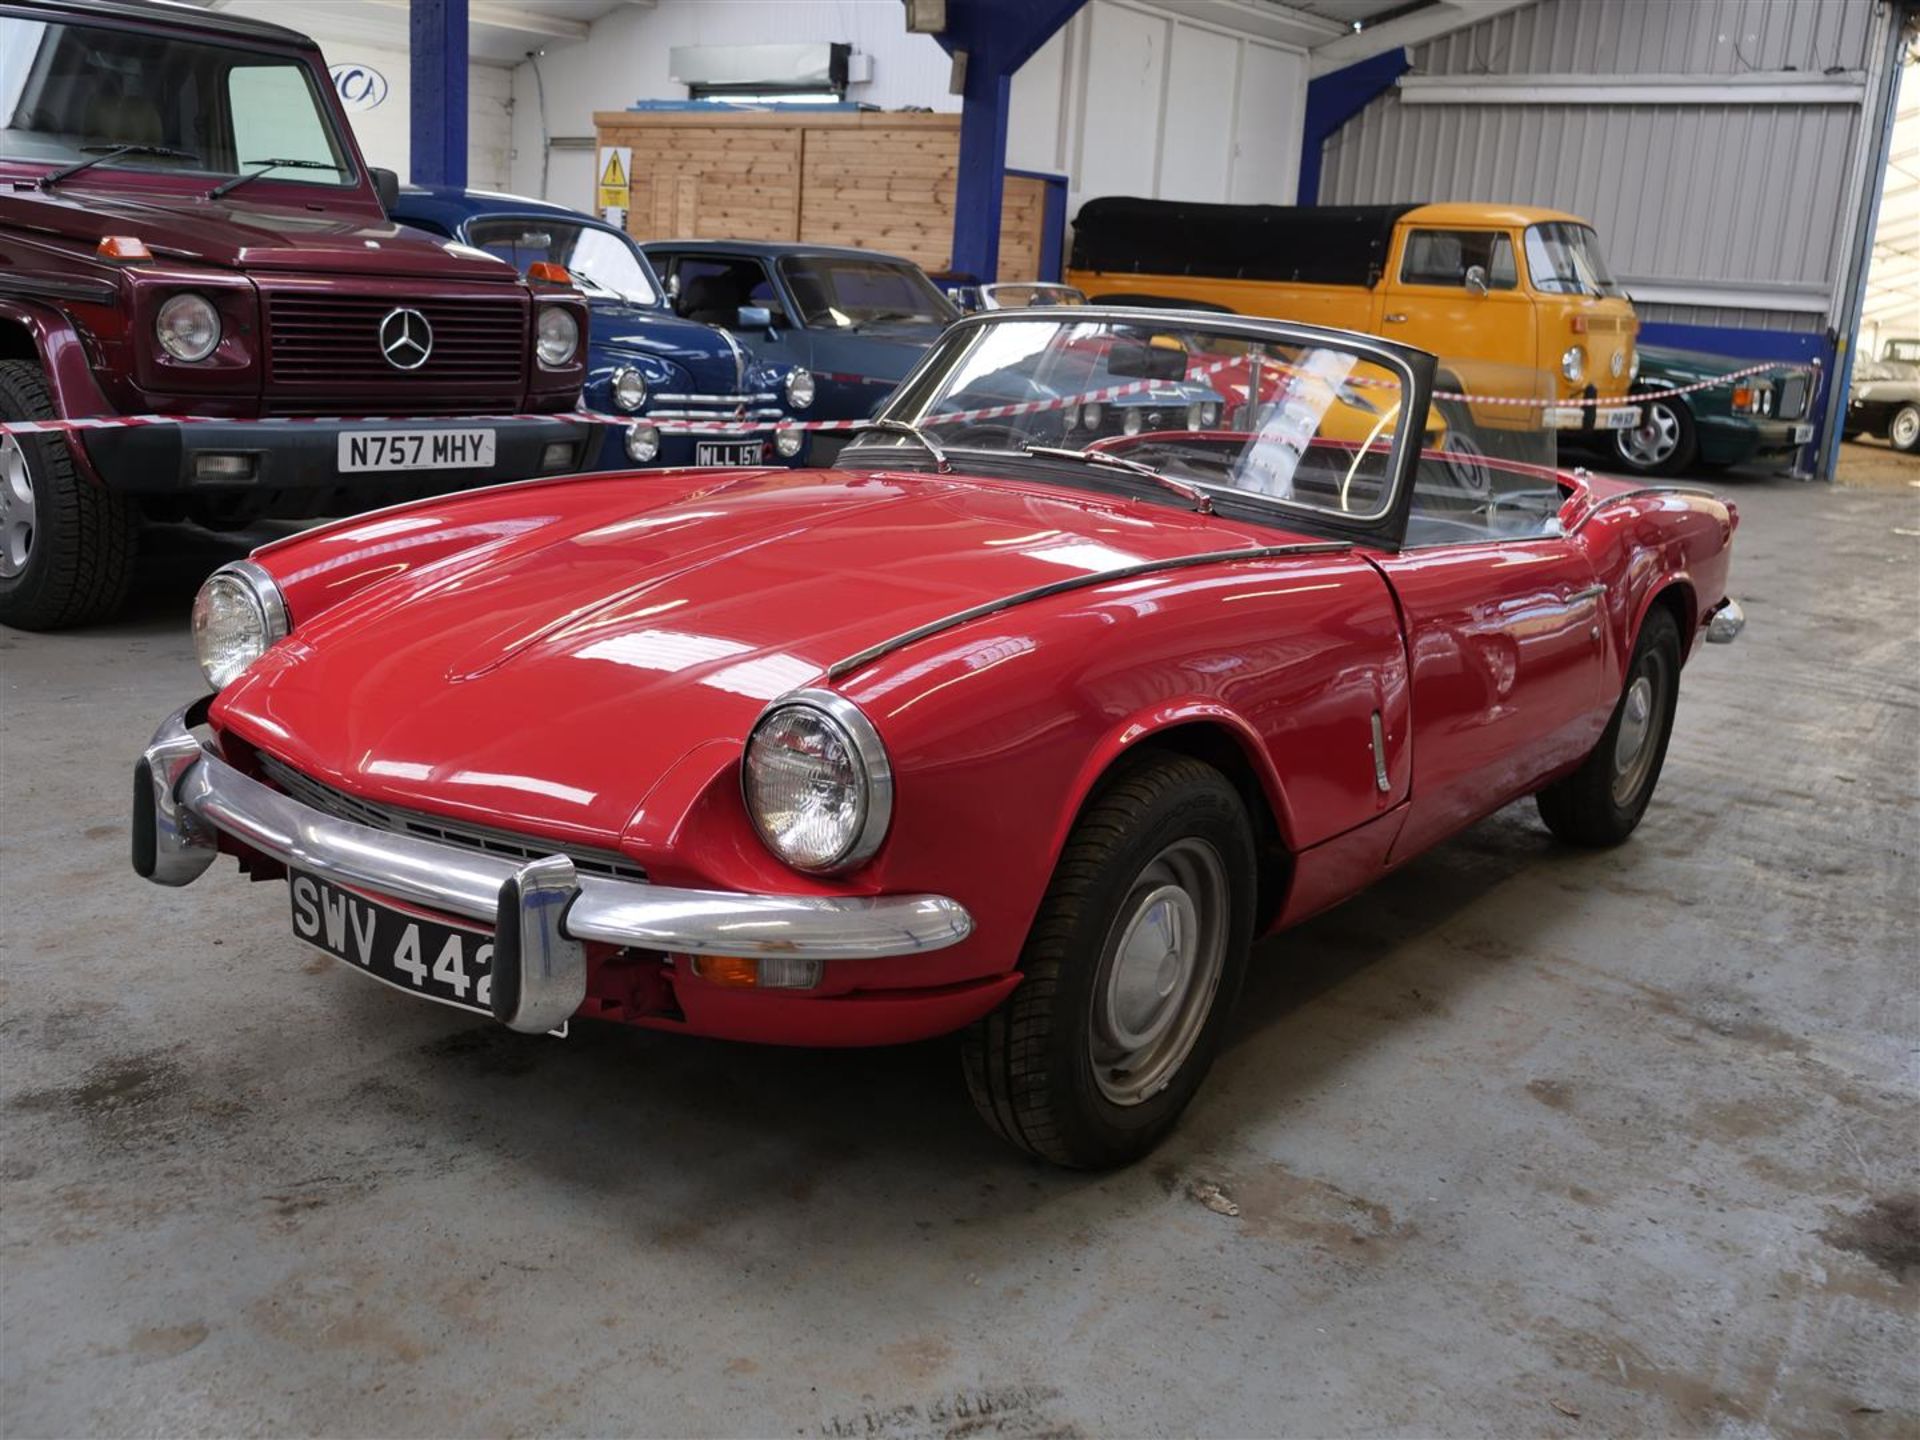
(499, 32)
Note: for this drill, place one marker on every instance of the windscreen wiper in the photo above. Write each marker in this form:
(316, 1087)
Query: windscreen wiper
(1202, 501)
(108, 154)
(912, 432)
(265, 166)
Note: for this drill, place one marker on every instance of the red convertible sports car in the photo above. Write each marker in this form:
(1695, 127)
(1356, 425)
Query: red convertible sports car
(990, 733)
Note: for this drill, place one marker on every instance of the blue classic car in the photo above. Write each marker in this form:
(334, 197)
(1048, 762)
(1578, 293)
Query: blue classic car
(858, 320)
(642, 359)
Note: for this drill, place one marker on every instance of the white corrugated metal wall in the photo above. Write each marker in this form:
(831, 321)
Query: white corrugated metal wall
(1731, 213)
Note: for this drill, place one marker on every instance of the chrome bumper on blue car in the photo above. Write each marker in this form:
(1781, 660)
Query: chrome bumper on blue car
(541, 911)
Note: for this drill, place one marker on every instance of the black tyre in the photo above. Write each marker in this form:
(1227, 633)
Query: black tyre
(1903, 431)
(1600, 803)
(1131, 968)
(1665, 441)
(66, 545)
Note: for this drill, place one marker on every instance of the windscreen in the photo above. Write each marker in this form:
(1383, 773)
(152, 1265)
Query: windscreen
(1308, 422)
(600, 260)
(1565, 259)
(70, 93)
(852, 293)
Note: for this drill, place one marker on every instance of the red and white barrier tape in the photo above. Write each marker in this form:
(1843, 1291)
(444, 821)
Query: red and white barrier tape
(742, 427)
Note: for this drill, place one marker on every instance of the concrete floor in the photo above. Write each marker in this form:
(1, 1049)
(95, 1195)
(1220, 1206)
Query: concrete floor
(1530, 1142)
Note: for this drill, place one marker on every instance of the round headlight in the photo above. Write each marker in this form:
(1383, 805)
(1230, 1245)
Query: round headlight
(1633, 366)
(800, 387)
(1573, 364)
(629, 389)
(238, 613)
(188, 327)
(1209, 414)
(1092, 413)
(788, 442)
(643, 443)
(556, 337)
(817, 782)
(1134, 422)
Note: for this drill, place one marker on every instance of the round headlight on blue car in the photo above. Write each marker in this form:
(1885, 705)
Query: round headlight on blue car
(643, 443)
(237, 615)
(817, 782)
(629, 389)
(799, 387)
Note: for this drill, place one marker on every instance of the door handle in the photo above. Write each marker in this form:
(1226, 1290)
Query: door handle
(1397, 318)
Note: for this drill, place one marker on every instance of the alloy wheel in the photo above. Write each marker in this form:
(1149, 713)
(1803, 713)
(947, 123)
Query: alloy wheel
(18, 511)
(1905, 429)
(1652, 442)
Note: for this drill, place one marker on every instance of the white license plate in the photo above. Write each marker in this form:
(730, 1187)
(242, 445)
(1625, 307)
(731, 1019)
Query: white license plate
(730, 452)
(1802, 434)
(1617, 417)
(362, 450)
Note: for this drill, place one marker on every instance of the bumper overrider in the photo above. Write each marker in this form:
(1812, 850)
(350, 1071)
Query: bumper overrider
(542, 912)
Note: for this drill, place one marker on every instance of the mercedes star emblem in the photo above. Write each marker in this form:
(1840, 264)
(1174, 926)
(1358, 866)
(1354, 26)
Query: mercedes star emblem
(406, 339)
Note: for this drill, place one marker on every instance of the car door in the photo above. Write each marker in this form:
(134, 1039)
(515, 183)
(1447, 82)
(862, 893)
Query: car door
(1508, 649)
(1485, 340)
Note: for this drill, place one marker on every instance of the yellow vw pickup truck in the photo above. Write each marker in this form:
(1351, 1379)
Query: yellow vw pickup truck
(1517, 302)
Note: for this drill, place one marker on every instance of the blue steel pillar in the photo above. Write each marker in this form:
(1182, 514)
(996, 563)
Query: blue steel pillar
(439, 82)
(1335, 98)
(999, 36)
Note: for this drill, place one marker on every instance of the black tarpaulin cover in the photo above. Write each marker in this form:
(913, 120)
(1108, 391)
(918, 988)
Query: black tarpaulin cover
(1317, 244)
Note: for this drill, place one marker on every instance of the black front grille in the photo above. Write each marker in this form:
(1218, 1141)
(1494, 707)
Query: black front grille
(324, 355)
(503, 843)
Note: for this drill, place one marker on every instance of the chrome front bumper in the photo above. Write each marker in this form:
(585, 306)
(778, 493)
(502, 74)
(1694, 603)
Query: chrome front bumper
(1725, 622)
(184, 796)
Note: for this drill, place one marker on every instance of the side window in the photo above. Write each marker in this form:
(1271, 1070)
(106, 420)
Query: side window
(274, 118)
(711, 289)
(1443, 257)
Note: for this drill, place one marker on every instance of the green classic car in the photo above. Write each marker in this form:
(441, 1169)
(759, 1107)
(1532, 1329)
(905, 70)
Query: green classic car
(1757, 417)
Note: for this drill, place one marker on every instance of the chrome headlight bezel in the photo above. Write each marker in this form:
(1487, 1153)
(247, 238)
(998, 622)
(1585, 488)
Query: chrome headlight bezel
(1573, 363)
(799, 388)
(871, 773)
(262, 606)
(174, 341)
(628, 387)
(556, 337)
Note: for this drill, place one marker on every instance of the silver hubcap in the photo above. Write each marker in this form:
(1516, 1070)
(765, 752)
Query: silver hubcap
(1654, 440)
(16, 507)
(1633, 745)
(1906, 427)
(1159, 976)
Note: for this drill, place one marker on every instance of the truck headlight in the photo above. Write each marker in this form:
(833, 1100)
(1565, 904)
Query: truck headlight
(1573, 364)
(629, 389)
(817, 782)
(1633, 367)
(556, 336)
(800, 387)
(188, 327)
(238, 613)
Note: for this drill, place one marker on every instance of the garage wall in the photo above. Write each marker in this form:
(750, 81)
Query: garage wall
(1734, 213)
(626, 59)
(378, 39)
(1139, 99)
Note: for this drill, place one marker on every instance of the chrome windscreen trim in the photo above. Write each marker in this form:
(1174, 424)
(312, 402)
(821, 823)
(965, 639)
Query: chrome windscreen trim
(1076, 582)
(462, 883)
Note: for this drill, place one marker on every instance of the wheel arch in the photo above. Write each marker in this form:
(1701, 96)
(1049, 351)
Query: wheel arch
(1211, 733)
(1675, 594)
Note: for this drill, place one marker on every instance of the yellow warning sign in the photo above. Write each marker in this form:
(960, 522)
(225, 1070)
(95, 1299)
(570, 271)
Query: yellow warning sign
(615, 188)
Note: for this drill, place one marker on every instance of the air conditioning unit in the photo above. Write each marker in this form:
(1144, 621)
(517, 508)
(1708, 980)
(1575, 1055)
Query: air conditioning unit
(759, 69)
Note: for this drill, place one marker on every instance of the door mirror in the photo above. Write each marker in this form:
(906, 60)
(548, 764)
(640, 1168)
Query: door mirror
(386, 185)
(755, 317)
(1476, 281)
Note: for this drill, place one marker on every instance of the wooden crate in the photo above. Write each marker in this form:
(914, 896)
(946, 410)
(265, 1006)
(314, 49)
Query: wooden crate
(877, 181)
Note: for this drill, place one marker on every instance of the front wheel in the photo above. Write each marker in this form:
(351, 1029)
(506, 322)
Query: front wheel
(66, 545)
(1131, 968)
(1663, 443)
(1904, 432)
(1600, 803)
